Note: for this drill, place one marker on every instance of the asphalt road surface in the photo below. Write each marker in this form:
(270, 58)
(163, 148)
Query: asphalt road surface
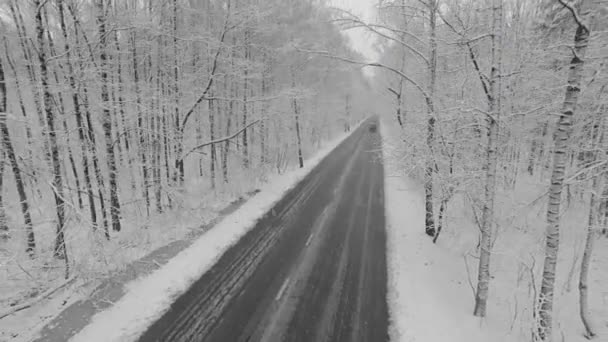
(312, 270)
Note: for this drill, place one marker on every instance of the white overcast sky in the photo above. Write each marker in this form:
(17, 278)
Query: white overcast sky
(361, 40)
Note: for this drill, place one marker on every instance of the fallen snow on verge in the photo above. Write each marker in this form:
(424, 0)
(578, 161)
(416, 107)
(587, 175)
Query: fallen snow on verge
(148, 298)
(429, 296)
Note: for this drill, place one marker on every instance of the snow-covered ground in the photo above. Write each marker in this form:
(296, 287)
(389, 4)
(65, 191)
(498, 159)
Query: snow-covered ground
(148, 298)
(430, 299)
(431, 287)
(23, 280)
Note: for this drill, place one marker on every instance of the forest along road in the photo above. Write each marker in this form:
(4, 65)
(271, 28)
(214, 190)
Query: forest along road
(312, 269)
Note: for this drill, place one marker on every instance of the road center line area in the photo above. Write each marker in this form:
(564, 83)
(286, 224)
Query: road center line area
(309, 239)
(280, 294)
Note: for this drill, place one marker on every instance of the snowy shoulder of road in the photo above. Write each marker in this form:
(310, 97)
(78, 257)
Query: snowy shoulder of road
(429, 296)
(147, 299)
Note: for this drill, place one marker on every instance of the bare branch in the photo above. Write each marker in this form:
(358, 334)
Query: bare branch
(393, 91)
(41, 5)
(217, 141)
(370, 64)
(211, 75)
(575, 14)
(375, 29)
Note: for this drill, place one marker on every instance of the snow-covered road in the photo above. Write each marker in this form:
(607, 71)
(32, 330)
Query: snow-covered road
(312, 269)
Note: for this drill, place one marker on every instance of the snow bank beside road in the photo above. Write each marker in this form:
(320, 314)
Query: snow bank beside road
(147, 299)
(429, 296)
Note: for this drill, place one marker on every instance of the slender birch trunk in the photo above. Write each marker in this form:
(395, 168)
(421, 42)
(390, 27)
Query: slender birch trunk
(141, 134)
(28, 129)
(491, 161)
(60, 250)
(64, 121)
(263, 128)
(89, 129)
(233, 90)
(245, 106)
(212, 112)
(430, 135)
(157, 110)
(121, 101)
(593, 225)
(3, 224)
(583, 284)
(176, 96)
(560, 158)
(296, 117)
(166, 146)
(31, 71)
(107, 119)
(78, 115)
(7, 146)
(3, 96)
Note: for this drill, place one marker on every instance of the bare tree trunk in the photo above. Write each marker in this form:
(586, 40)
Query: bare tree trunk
(544, 154)
(400, 93)
(158, 152)
(199, 139)
(28, 129)
(92, 144)
(7, 146)
(583, 286)
(604, 208)
(398, 101)
(442, 209)
(212, 137)
(347, 113)
(166, 148)
(60, 250)
(534, 155)
(560, 155)
(263, 128)
(296, 116)
(125, 134)
(116, 136)
(593, 224)
(140, 123)
(430, 136)
(25, 46)
(78, 115)
(121, 101)
(4, 234)
(3, 96)
(90, 133)
(64, 122)
(155, 128)
(107, 119)
(156, 179)
(71, 158)
(487, 216)
(245, 109)
(179, 131)
(229, 118)
(176, 94)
